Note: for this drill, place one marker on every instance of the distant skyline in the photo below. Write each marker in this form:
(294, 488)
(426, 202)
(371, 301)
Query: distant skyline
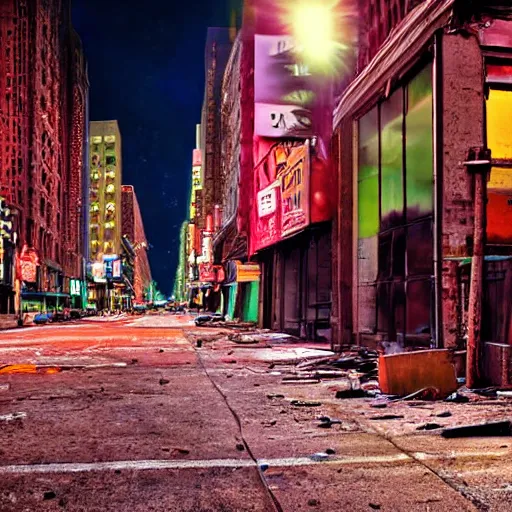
(146, 69)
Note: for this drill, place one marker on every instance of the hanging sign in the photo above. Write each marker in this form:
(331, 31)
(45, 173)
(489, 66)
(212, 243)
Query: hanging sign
(28, 262)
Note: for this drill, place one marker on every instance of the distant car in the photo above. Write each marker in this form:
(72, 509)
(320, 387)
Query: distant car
(41, 319)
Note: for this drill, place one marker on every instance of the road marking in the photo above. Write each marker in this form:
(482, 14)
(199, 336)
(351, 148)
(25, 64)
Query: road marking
(459, 455)
(137, 465)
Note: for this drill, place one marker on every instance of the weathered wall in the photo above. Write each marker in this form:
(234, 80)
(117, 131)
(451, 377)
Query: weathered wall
(462, 127)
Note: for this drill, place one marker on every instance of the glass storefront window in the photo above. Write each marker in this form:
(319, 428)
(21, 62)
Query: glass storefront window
(395, 248)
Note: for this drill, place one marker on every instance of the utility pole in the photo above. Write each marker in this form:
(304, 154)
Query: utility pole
(479, 164)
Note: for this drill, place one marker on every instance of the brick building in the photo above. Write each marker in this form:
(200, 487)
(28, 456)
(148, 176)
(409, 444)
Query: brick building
(416, 228)
(43, 92)
(133, 230)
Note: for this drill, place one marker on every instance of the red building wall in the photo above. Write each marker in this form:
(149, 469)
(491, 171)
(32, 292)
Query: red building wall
(133, 229)
(37, 106)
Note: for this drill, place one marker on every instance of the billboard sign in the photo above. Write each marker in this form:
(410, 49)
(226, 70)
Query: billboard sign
(207, 273)
(295, 191)
(248, 272)
(28, 262)
(282, 190)
(283, 91)
(116, 269)
(75, 287)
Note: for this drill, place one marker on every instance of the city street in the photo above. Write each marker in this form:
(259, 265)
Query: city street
(134, 414)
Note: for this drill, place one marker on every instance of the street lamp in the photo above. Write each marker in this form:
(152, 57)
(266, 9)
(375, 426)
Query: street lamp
(323, 31)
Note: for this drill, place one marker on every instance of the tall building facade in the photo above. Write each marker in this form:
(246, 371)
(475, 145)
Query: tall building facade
(40, 60)
(133, 230)
(105, 190)
(423, 151)
(105, 217)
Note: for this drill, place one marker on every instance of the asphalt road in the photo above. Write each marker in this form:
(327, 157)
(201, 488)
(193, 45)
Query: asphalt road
(131, 416)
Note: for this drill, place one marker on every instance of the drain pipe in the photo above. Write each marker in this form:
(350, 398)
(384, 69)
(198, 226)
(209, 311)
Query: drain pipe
(478, 164)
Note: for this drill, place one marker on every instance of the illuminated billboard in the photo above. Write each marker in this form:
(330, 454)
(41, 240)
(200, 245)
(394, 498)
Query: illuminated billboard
(283, 91)
(281, 187)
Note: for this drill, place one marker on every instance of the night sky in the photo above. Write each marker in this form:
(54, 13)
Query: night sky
(146, 69)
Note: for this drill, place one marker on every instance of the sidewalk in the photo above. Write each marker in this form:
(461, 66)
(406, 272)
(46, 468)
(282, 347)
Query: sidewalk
(366, 459)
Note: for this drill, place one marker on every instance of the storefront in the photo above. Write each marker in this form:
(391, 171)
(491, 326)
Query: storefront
(407, 131)
(296, 284)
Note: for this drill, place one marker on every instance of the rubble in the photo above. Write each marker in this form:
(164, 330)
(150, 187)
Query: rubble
(489, 429)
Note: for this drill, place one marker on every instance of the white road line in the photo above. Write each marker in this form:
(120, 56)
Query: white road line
(72, 467)
(460, 455)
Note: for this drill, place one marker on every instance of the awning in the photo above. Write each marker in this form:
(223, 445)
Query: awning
(40, 295)
(399, 51)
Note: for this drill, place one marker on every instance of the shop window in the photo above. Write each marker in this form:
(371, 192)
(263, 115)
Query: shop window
(395, 196)
(499, 186)
(419, 146)
(391, 168)
(368, 175)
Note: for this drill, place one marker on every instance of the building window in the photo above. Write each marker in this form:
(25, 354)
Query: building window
(395, 214)
(499, 140)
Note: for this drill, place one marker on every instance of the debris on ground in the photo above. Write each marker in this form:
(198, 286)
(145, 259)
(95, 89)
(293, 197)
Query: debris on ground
(28, 368)
(4, 387)
(326, 422)
(255, 337)
(15, 416)
(302, 403)
(203, 320)
(488, 429)
(387, 417)
(430, 426)
(163, 381)
(404, 373)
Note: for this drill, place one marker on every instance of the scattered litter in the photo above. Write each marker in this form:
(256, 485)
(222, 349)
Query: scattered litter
(203, 320)
(182, 451)
(330, 451)
(326, 422)
(272, 396)
(49, 495)
(263, 467)
(457, 398)
(379, 404)
(240, 447)
(313, 503)
(164, 381)
(375, 506)
(491, 429)
(301, 403)
(4, 387)
(351, 393)
(403, 374)
(28, 368)
(387, 417)
(291, 380)
(430, 426)
(504, 394)
(161, 351)
(445, 414)
(135, 361)
(318, 457)
(13, 416)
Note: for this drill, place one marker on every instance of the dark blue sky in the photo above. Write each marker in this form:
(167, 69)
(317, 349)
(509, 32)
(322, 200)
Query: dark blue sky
(146, 69)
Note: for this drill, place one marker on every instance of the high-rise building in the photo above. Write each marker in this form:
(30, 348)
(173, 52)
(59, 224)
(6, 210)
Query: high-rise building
(133, 230)
(43, 91)
(105, 212)
(105, 190)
